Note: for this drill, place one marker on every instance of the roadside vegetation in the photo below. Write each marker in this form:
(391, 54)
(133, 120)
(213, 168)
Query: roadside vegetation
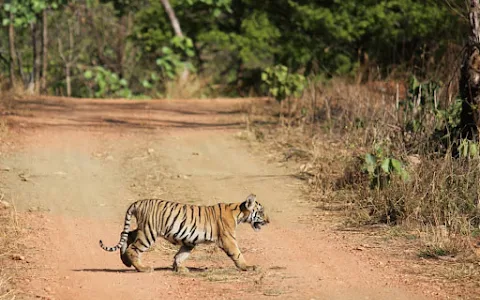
(9, 249)
(388, 153)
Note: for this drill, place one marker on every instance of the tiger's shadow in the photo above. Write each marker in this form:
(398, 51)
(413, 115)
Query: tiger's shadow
(169, 269)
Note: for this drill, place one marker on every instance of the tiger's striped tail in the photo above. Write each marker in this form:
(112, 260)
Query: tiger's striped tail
(132, 209)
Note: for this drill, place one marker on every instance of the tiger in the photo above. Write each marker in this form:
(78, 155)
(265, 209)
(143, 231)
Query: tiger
(188, 226)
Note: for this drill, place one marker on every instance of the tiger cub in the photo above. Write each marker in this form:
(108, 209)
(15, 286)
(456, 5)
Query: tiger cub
(186, 225)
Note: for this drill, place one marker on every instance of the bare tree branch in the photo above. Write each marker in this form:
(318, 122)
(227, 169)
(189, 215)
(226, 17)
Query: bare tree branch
(60, 50)
(178, 32)
(172, 17)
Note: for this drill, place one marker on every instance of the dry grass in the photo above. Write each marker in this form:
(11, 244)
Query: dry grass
(3, 129)
(220, 275)
(8, 96)
(349, 121)
(9, 249)
(9, 231)
(7, 101)
(195, 87)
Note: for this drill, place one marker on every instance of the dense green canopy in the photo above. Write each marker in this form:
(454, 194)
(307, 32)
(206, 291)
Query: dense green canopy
(128, 48)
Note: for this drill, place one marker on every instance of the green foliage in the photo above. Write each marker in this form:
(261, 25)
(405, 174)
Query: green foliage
(151, 30)
(217, 5)
(121, 7)
(421, 102)
(282, 84)
(27, 11)
(449, 117)
(150, 81)
(380, 168)
(467, 148)
(387, 31)
(169, 63)
(233, 41)
(433, 252)
(107, 83)
(184, 45)
(427, 125)
(172, 59)
(154, 36)
(424, 118)
(245, 42)
(257, 42)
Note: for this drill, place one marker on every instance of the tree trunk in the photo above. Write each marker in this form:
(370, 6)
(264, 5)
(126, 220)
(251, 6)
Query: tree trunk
(68, 80)
(129, 52)
(173, 18)
(20, 67)
(13, 58)
(122, 36)
(43, 79)
(68, 59)
(239, 84)
(470, 78)
(178, 32)
(33, 84)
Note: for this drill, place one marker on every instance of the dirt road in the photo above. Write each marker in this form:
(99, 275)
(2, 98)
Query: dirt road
(77, 164)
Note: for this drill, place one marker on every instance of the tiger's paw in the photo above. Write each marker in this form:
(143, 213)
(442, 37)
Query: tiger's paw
(145, 269)
(252, 268)
(249, 268)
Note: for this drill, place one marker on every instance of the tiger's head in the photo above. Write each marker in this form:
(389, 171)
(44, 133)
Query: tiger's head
(254, 213)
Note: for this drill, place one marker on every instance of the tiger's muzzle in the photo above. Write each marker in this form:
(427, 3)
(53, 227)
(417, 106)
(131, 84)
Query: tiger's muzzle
(257, 224)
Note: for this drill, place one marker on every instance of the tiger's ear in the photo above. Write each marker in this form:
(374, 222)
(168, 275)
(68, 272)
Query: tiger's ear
(250, 202)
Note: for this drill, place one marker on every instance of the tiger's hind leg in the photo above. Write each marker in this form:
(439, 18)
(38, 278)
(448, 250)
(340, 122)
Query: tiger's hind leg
(132, 236)
(135, 250)
(181, 256)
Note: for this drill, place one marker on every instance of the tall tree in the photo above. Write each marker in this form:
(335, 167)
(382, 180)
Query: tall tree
(178, 32)
(11, 43)
(35, 76)
(68, 56)
(43, 77)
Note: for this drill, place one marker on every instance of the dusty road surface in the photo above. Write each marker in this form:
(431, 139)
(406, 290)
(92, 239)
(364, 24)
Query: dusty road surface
(77, 164)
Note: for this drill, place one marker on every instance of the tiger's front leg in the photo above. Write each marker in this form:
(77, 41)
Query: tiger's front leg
(230, 246)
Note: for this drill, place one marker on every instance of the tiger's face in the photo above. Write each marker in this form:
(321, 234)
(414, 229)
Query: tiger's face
(255, 212)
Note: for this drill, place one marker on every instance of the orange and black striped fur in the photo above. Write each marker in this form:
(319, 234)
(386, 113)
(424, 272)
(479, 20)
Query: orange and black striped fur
(186, 225)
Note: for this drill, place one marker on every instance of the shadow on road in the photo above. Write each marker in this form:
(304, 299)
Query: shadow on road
(104, 270)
